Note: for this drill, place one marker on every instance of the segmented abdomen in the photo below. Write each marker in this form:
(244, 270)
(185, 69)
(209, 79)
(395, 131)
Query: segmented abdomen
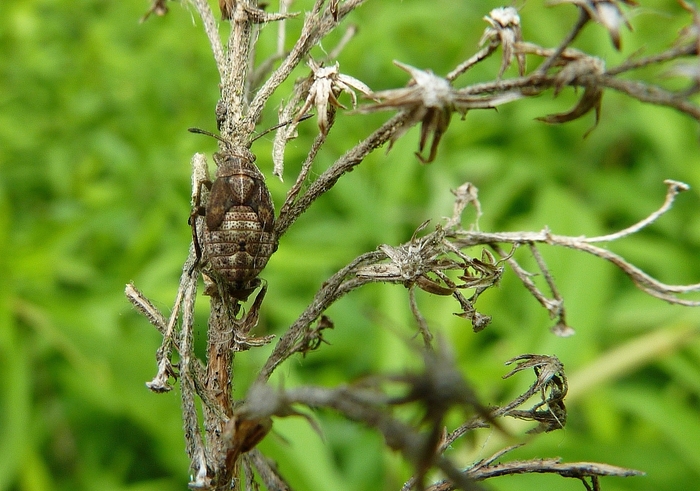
(239, 249)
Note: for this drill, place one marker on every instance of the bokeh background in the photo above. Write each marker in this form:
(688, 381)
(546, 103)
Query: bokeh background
(94, 193)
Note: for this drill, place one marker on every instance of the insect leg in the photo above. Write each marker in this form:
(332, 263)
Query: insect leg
(198, 211)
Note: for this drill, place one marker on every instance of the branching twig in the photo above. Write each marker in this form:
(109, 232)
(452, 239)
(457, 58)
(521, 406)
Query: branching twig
(644, 281)
(583, 19)
(334, 288)
(344, 164)
(641, 279)
(674, 189)
(212, 30)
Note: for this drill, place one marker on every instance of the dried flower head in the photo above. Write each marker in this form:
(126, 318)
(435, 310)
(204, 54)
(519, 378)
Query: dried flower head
(410, 263)
(327, 85)
(505, 30)
(552, 386)
(427, 99)
(431, 100)
(606, 13)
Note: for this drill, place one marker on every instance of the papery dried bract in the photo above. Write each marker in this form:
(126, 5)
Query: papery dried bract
(428, 99)
(606, 13)
(505, 29)
(226, 7)
(431, 100)
(574, 73)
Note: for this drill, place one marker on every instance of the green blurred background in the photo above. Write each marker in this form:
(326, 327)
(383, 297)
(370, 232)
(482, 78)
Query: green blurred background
(94, 193)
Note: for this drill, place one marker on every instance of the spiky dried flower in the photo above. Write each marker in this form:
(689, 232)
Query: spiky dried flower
(606, 13)
(551, 384)
(430, 100)
(427, 99)
(411, 263)
(505, 30)
(328, 83)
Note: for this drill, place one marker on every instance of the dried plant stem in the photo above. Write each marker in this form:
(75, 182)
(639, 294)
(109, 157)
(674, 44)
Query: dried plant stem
(334, 288)
(269, 474)
(481, 55)
(349, 33)
(647, 283)
(283, 223)
(651, 94)
(552, 466)
(317, 25)
(583, 19)
(196, 449)
(674, 188)
(555, 306)
(212, 30)
(235, 77)
(423, 327)
(146, 307)
(668, 55)
(344, 164)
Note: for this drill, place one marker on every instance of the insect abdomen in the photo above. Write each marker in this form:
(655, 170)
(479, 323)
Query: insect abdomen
(239, 248)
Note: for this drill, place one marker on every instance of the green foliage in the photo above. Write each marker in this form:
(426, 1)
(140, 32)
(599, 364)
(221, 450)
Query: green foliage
(94, 192)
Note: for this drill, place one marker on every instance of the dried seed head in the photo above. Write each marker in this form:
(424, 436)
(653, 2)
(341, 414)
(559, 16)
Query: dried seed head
(551, 385)
(435, 92)
(504, 17)
(328, 83)
(430, 100)
(505, 30)
(427, 99)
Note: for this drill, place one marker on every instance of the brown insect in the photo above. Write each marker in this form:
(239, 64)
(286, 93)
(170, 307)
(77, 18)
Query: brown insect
(238, 237)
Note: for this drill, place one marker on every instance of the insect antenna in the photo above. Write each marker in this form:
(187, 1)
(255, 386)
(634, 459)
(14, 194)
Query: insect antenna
(279, 125)
(208, 133)
(226, 142)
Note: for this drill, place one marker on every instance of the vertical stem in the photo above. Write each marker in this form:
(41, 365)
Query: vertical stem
(234, 84)
(219, 382)
(195, 445)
